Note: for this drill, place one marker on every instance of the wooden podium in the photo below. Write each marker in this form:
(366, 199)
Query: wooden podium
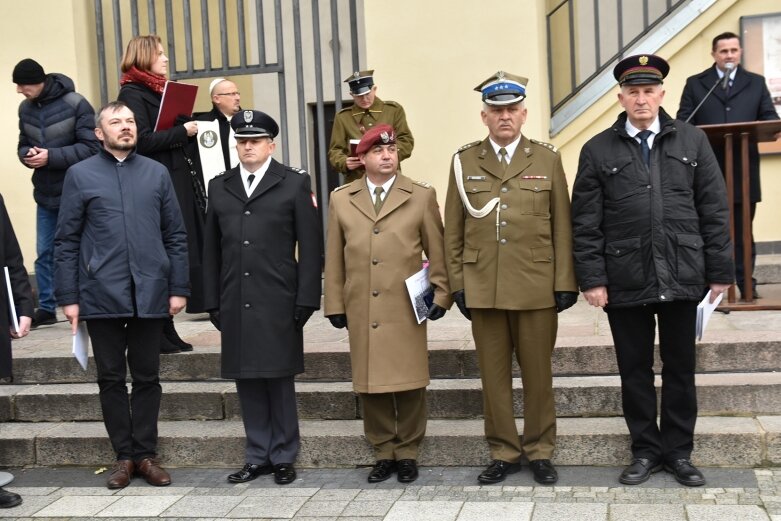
(724, 136)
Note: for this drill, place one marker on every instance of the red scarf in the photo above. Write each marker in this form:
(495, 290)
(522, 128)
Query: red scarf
(152, 81)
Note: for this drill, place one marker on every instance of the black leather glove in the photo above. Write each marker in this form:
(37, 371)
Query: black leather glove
(301, 316)
(338, 321)
(564, 300)
(214, 316)
(460, 299)
(435, 312)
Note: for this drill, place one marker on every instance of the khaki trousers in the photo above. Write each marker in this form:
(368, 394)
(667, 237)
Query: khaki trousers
(395, 423)
(530, 335)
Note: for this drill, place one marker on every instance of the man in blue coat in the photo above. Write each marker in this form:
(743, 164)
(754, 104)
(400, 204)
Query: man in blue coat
(744, 97)
(56, 131)
(262, 264)
(120, 253)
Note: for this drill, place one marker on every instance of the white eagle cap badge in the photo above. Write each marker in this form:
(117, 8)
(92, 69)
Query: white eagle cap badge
(248, 116)
(385, 137)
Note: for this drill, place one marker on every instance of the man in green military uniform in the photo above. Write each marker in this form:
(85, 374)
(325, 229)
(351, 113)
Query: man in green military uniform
(508, 243)
(352, 122)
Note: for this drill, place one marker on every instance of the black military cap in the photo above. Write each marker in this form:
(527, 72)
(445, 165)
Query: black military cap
(641, 69)
(252, 124)
(360, 82)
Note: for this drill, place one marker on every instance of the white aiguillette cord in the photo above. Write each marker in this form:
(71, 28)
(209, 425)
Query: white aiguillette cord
(482, 212)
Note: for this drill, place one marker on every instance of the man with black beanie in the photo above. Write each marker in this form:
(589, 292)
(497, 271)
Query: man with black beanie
(56, 130)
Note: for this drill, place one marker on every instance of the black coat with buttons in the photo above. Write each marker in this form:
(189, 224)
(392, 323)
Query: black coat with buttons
(654, 234)
(262, 258)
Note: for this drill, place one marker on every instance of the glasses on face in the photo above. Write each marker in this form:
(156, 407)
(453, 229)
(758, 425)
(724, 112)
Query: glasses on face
(231, 94)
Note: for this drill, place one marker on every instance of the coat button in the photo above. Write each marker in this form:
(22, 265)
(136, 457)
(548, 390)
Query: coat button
(504, 207)
(246, 273)
(247, 306)
(375, 261)
(247, 212)
(503, 241)
(246, 243)
(685, 158)
(663, 297)
(474, 189)
(504, 223)
(615, 169)
(375, 325)
(375, 293)
(504, 190)
(376, 231)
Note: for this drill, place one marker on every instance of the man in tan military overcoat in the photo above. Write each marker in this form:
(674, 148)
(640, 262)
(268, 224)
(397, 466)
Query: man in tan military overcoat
(509, 251)
(378, 229)
(353, 122)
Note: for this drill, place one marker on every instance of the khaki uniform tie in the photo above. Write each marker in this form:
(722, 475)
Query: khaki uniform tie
(377, 199)
(505, 163)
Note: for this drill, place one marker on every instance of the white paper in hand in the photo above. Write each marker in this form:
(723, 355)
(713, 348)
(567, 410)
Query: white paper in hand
(81, 345)
(704, 311)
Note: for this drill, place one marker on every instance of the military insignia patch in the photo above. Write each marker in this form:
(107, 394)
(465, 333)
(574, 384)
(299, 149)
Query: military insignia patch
(643, 60)
(208, 139)
(385, 137)
(248, 116)
(468, 145)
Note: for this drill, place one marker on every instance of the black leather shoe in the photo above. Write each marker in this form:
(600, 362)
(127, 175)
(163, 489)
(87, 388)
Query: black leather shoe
(639, 471)
(284, 473)
(9, 499)
(408, 470)
(382, 470)
(544, 471)
(497, 471)
(249, 472)
(685, 473)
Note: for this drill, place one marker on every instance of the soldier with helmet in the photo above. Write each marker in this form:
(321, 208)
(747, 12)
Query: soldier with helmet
(509, 254)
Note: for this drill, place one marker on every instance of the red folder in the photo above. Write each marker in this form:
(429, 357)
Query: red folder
(178, 100)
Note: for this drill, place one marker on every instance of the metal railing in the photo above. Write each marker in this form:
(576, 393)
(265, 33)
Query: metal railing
(580, 37)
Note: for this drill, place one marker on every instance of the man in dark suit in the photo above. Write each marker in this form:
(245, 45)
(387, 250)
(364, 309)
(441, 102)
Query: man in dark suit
(744, 98)
(260, 215)
(226, 102)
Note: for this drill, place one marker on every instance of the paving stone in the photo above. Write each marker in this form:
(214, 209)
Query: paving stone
(76, 506)
(139, 506)
(378, 495)
(480, 511)
(424, 511)
(322, 508)
(367, 508)
(203, 506)
(647, 512)
(30, 505)
(726, 513)
(569, 512)
(268, 507)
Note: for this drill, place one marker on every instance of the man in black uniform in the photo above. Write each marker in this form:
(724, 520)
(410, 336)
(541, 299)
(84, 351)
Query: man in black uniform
(260, 214)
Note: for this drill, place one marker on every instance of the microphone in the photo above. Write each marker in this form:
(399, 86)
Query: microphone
(725, 80)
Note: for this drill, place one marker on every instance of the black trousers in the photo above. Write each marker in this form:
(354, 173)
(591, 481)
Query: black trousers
(633, 331)
(131, 422)
(739, 268)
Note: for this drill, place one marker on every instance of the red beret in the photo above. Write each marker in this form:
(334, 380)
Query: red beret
(379, 135)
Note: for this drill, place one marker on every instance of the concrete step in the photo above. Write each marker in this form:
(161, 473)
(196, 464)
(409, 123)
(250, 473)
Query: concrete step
(768, 269)
(719, 441)
(734, 394)
(331, 362)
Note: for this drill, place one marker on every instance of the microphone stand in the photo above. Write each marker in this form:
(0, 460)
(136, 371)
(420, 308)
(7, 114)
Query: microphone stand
(718, 80)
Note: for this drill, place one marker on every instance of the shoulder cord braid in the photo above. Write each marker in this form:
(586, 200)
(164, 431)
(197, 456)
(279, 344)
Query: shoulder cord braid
(482, 212)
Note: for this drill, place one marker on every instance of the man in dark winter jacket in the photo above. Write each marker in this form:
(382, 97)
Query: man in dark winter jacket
(651, 234)
(56, 130)
(123, 289)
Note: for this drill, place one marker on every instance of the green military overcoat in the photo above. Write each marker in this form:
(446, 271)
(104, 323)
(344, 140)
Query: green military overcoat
(368, 257)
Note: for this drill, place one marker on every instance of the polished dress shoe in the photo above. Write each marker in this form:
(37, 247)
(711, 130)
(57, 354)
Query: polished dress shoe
(9, 499)
(152, 472)
(544, 471)
(284, 473)
(639, 471)
(382, 470)
(685, 473)
(407, 470)
(497, 471)
(121, 474)
(249, 472)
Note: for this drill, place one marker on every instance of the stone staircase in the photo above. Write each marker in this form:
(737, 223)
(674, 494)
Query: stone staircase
(51, 414)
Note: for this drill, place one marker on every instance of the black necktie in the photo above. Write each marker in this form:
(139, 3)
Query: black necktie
(250, 178)
(644, 148)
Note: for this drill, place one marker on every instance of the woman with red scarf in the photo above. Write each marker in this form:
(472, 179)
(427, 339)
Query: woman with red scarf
(144, 70)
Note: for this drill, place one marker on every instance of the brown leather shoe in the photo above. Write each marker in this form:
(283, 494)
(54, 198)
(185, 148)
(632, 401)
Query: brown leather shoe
(121, 474)
(154, 474)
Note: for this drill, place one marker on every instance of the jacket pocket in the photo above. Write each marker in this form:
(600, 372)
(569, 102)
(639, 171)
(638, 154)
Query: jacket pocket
(535, 196)
(691, 259)
(542, 253)
(679, 169)
(624, 264)
(478, 193)
(622, 180)
(470, 255)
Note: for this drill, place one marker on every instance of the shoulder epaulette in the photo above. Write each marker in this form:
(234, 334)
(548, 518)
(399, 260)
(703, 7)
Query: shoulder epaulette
(341, 187)
(222, 173)
(392, 103)
(422, 183)
(345, 109)
(468, 145)
(544, 144)
(296, 170)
